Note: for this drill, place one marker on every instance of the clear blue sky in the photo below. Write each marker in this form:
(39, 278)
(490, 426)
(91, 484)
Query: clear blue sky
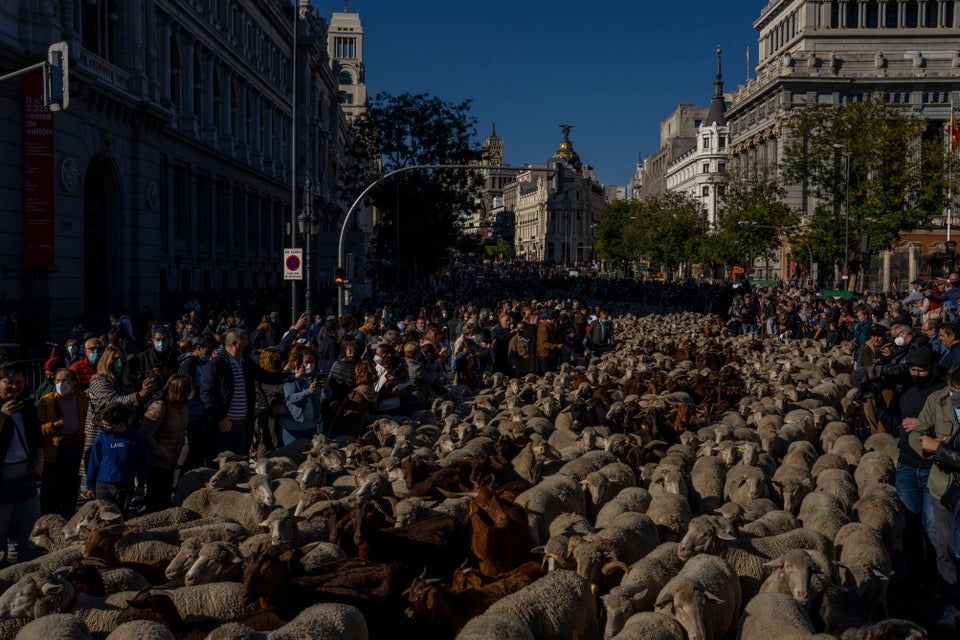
(612, 68)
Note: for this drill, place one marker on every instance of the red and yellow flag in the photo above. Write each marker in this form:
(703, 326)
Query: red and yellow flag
(953, 132)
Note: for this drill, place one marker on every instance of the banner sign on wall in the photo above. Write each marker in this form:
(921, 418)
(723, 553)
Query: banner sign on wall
(38, 213)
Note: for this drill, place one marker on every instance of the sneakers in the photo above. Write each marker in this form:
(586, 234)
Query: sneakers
(950, 618)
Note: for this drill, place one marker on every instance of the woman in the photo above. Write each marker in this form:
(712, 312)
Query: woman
(271, 404)
(304, 396)
(63, 414)
(107, 386)
(164, 427)
(358, 404)
(861, 331)
(21, 456)
(50, 368)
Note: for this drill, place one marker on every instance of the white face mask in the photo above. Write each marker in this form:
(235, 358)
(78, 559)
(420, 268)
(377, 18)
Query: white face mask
(63, 388)
(899, 341)
(378, 359)
(308, 367)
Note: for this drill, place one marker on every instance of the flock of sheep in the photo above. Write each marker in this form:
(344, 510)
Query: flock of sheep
(686, 483)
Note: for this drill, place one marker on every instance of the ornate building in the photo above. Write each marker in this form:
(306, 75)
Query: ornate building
(345, 48)
(701, 171)
(556, 208)
(173, 170)
(838, 52)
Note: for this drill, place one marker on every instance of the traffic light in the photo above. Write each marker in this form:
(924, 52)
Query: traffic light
(339, 276)
(56, 75)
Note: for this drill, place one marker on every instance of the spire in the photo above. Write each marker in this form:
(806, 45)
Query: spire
(717, 105)
(493, 133)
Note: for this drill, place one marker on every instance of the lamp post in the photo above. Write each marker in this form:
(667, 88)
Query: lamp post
(950, 247)
(307, 223)
(842, 149)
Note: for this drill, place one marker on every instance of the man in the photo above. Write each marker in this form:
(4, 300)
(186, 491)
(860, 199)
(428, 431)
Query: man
(500, 339)
(931, 329)
(937, 424)
(191, 364)
(87, 366)
(160, 359)
(888, 377)
(521, 354)
(600, 333)
(915, 295)
(228, 395)
(950, 336)
(748, 315)
(341, 380)
(549, 342)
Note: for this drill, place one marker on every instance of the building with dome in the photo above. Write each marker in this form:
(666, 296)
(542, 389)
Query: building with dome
(556, 208)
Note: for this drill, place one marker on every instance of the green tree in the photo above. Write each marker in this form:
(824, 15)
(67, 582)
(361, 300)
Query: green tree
(616, 238)
(407, 130)
(881, 164)
(672, 227)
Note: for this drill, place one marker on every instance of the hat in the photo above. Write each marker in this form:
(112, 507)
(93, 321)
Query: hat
(921, 356)
(917, 281)
(53, 364)
(878, 330)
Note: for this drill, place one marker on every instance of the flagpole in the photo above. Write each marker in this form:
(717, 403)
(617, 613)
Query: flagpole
(950, 136)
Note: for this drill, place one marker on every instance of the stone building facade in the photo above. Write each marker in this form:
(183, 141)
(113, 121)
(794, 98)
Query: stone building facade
(837, 52)
(173, 170)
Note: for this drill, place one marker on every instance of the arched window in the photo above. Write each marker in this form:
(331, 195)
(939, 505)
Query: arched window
(346, 78)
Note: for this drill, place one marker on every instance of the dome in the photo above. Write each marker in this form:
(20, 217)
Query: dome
(566, 152)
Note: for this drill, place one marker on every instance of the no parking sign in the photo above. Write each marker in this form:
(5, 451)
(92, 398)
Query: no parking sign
(293, 264)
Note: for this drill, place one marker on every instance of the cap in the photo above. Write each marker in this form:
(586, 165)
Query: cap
(878, 330)
(921, 356)
(53, 364)
(544, 315)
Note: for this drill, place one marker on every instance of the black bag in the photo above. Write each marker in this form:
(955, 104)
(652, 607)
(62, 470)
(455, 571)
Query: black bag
(17, 490)
(951, 495)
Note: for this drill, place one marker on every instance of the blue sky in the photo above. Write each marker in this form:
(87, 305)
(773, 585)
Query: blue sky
(612, 68)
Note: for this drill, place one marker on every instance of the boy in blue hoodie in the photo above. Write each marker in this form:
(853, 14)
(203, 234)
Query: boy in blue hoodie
(117, 457)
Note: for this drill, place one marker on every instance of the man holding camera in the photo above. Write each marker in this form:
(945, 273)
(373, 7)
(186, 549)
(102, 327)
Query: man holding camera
(889, 377)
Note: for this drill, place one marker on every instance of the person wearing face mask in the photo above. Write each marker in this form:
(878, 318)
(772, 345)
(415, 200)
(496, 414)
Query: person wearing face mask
(913, 470)
(950, 336)
(63, 413)
(159, 359)
(73, 352)
(937, 427)
(109, 386)
(49, 370)
(86, 367)
(304, 398)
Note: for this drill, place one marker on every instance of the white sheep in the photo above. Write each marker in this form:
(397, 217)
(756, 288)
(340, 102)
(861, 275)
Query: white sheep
(671, 514)
(802, 574)
(326, 621)
(555, 607)
(488, 625)
(707, 481)
(249, 509)
(215, 561)
(874, 468)
(841, 484)
(605, 483)
(824, 512)
(629, 499)
(141, 630)
(546, 500)
(860, 548)
(649, 625)
(59, 625)
(704, 597)
(776, 615)
(640, 586)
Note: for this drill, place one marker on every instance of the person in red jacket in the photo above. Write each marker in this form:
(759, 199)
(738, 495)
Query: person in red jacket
(86, 366)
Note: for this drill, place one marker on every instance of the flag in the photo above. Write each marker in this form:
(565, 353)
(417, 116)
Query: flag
(953, 132)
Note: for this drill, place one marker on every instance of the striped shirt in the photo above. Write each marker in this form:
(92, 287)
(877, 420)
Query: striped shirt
(238, 402)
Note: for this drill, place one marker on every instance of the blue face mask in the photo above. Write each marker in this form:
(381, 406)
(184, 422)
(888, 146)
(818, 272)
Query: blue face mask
(93, 357)
(72, 350)
(204, 357)
(160, 346)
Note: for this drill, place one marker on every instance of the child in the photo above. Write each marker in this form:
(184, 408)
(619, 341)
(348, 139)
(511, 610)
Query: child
(164, 428)
(117, 457)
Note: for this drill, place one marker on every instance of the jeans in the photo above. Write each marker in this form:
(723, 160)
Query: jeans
(747, 327)
(119, 493)
(946, 563)
(17, 518)
(912, 491)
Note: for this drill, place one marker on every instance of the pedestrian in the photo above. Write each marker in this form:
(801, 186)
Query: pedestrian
(520, 353)
(304, 397)
(549, 342)
(228, 391)
(164, 427)
(358, 404)
(63, 415)
(270, 405)
(21, 459)
(191, 364)
(86, 367)
(119, 460)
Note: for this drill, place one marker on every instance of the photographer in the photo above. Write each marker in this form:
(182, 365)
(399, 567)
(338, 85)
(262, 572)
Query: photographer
(304, 397)
(889, 377)
(160, 359)
(521, 355)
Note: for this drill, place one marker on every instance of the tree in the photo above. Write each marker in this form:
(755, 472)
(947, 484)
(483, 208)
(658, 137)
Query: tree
(617, 238)
(406, 130)
(879, 164)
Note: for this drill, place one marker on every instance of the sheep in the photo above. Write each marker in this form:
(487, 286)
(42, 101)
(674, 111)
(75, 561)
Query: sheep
(745, 483)
(770, 524)
(707, 481)
(215, 561)
(328, 621)
(831, 432)
(141, 630)
(49, 562)
(800, 453)
(828, 461)
(880, 509)
(884, 443)
(849, 448)
(543, 502)
(581, 467)
(841, 484)
(792, 483)
(249, 509)
(671, 514)
(170, 517)
(488, 625)
(630, 499)
(649, 625)
(860, 548)
(824, 512)
(94, 514)
(606, 483)
(667, 478)
(802, 574)
(704, 598)
(47, 533)
(61, 625)
(748, 556)
(874, 468)
(555, 607)
(191, 481)
(319, 554)
(639, 588)
(775, 615)
(627, 539)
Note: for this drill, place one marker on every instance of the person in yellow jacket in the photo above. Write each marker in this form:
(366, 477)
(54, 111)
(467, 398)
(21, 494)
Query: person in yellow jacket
(63, 414)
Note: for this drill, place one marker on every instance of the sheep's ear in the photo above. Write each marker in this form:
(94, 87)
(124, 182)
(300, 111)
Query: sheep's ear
(62, 572)
(806, 482)
(880, 575)
(725, 535)
(110, 516)
(712, 598)
(639, 595)
(265, 524)
(51, 587)
(776, 563)
(663, 599)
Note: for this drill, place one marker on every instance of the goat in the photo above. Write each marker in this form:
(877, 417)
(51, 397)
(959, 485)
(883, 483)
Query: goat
(501, 538)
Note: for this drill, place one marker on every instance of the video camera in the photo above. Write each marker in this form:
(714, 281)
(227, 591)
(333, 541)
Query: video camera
(873, 379)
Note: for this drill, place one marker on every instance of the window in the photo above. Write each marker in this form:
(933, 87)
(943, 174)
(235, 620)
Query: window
(704, 190)
(706, 142)
(345, 47)
(721, 167)
(100, 22)
(706, 167)
(346, 78)
(722, 143)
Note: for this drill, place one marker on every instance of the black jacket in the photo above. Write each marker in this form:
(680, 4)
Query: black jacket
(909, 406)
(33, 434)
(216, 385)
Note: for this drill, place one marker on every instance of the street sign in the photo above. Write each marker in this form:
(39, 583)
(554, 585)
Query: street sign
(293, 264)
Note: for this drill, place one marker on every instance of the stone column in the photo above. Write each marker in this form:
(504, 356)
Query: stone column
(914, 260)
(882, 14)
(885, 271)
(922, 13)
(862, 14)
(843, 14)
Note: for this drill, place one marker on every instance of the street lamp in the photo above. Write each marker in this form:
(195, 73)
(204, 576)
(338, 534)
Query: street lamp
(846, 209)
(308, 223)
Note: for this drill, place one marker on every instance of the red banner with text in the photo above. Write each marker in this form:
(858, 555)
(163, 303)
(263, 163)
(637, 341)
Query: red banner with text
(38, 215)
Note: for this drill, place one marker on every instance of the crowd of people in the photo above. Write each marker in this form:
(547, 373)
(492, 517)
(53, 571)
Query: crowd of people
(120, 415)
